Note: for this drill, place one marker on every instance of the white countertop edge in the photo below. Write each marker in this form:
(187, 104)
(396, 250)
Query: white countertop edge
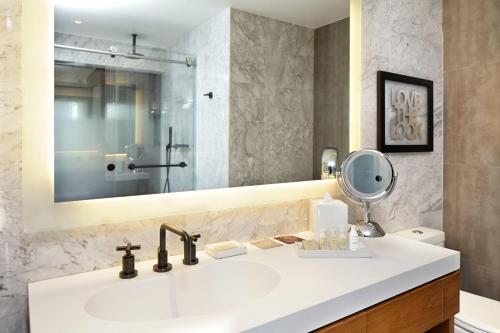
(344, 306)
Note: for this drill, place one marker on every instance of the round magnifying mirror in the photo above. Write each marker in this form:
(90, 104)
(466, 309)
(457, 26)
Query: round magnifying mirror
(367, 176)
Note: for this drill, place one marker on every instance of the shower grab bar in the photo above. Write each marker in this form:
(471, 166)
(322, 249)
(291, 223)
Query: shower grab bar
(132, 166)
(188, 62)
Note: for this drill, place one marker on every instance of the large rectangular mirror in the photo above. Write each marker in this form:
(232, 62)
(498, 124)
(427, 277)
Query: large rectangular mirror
(159, 96)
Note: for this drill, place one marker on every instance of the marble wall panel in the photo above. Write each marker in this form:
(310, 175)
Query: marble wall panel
(10, 95)
(271, 122)
(405, 37)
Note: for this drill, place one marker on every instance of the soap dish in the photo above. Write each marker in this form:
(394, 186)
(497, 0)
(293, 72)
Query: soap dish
(266, 244)
(225, 249)
(361, 252)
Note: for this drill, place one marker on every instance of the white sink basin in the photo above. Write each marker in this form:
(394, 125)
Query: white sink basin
(217, 287)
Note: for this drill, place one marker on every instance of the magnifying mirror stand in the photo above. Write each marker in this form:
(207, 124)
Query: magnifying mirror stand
(368, 228)
(367, 176)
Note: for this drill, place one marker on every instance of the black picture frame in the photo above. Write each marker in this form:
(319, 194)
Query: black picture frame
(382, 77)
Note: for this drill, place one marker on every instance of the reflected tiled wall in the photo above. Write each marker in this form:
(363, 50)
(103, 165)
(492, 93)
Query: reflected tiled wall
(331, 91)
(405, 37)
(472, 140)
(271, 123)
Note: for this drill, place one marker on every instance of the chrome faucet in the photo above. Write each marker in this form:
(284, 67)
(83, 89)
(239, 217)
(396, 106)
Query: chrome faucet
(189, 248)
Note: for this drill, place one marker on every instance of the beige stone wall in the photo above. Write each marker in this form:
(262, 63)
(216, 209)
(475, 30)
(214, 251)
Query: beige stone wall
(472, 140)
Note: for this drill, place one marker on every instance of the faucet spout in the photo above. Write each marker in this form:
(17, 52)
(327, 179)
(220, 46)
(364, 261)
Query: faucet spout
(188, 240)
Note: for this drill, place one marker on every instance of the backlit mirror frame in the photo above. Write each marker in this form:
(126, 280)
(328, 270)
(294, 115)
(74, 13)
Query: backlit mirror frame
(39, 210)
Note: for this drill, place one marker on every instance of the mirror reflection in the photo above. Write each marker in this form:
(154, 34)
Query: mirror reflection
(178, 95)
(369, 174)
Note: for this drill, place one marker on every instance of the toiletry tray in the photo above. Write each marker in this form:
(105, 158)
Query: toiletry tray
(361, 252)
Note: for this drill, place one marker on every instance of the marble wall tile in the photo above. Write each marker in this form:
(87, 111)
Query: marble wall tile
(271, 85)
(405, 37)
(10, 44)
(10, 95)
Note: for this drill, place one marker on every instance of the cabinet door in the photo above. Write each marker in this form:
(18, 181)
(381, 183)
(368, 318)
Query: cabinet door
(352, 324)
(429, 308)
(418, 310)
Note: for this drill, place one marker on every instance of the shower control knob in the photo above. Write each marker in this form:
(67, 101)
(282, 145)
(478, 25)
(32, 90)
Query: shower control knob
(111, 167)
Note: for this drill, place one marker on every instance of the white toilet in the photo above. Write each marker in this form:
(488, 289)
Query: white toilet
(477, 314)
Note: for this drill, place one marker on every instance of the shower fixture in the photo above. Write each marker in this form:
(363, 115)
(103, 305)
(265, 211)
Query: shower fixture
(168, 157)
(181, 145)
(113, 49)
(134, 54)
(113, 52)
(168, 154)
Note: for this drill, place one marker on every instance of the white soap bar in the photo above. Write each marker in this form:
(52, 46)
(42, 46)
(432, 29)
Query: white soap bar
(328, 214)
(225, 249)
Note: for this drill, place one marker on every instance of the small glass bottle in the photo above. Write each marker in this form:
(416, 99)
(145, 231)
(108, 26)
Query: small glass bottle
(323, 239)
(342, 240)
(353, 239)
(334, 239)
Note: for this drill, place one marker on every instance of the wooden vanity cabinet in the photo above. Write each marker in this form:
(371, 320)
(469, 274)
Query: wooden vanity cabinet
(429, 308)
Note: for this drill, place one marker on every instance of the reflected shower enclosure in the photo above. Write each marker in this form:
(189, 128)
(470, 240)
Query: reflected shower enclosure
(123, 125)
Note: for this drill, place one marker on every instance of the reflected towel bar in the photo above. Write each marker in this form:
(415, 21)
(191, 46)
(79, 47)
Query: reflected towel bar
(132, 166)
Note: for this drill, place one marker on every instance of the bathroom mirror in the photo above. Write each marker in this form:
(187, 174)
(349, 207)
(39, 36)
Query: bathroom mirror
(160, 96)
(367, 176)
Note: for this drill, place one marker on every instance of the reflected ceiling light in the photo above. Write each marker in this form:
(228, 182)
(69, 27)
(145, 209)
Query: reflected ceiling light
(77, 21)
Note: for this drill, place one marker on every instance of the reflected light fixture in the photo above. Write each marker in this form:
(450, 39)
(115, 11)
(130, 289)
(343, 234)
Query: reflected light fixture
(329, 163)
(77, 21)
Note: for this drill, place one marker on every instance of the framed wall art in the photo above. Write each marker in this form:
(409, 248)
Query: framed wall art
(405, 113)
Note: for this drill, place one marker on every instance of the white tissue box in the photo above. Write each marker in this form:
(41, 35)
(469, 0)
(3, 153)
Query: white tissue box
(327, 214)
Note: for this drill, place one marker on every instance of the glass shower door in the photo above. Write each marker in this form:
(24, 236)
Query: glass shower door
(78, 132)
(178, 127)
(126, 128)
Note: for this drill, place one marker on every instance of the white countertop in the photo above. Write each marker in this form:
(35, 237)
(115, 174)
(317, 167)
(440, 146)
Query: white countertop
(312, 292)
